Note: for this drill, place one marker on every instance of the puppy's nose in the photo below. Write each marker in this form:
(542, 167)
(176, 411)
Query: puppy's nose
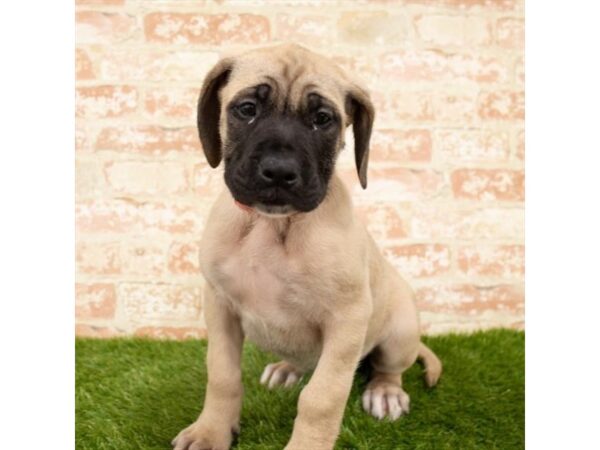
(280, 171)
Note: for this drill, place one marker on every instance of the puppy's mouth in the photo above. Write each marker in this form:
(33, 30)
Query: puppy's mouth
(274, 207)
(275, 210)
(276, 201)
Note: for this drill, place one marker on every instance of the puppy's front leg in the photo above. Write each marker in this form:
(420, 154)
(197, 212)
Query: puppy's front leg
(221, 414)
(323, 400)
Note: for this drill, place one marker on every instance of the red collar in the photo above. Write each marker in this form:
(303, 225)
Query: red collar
(243, 207)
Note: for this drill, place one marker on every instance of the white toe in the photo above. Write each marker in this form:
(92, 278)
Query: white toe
(366, 401)
(404, 401)
(292, 379)
(395, 410)
(276, 378)
(267, 373)
(377, 405)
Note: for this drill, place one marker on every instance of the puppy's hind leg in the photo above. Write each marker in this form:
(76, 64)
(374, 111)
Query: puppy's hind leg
(384, 396)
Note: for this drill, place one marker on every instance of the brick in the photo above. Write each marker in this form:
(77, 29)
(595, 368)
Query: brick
(304, 29)
(98, 258)
(148, 178)
(489, 184)
(372, 28)
(447, 222)
(463, 31)
(100, 2)
(96, 331)
(520, 72)
(467, 4)
(396, 106)
(395, 184)
(121, 65)
(510, 33)
(502, 105)
(472, 145)
(520, 145)
(149, 140)
(419, 260)
(95, 27)
(360, 65)
(297, 3)
(171, 103)
(506, 261)
(126, 215)
(82, 138)
(105, 101)
(171, 333)
(84, 69)
(95, 301)
(159, 302)
(436, 65)
(89, 181)
(382, 221)
(184, 258)
(470, 299)
(399, 146)
(208, 182)
(143, 259)
(455, 107)
(188, 28)
(121, 258)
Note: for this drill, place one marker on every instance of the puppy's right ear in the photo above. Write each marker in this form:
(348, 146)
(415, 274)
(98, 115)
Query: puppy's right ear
(209, 111)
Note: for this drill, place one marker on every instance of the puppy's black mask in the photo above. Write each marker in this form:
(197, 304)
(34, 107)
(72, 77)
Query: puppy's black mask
(277, 158)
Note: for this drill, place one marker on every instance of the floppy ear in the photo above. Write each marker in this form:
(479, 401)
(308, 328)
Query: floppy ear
(209, 111)
(361, 111)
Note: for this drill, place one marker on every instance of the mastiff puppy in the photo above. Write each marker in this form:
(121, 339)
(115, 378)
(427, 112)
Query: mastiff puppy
(287, 265)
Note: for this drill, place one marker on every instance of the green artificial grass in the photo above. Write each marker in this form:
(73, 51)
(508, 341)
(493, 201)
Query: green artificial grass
(138, 394)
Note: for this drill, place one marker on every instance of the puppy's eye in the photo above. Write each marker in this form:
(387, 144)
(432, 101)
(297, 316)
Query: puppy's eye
(322, 118)
(247, 110)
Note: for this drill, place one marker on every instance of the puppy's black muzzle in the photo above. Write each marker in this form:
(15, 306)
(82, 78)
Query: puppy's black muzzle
(279, 171)
(276, 164)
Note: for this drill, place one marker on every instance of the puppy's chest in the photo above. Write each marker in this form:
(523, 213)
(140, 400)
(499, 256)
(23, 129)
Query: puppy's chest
(271, 292)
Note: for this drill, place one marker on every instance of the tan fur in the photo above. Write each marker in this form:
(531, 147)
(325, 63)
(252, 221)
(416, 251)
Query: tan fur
(310, 287)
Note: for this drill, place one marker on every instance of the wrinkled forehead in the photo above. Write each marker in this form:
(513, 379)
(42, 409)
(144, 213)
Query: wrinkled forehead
(291, 77)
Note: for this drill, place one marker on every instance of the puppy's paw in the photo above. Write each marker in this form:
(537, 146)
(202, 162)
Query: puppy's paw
(203, 436)
(383, 399)
(280, 374)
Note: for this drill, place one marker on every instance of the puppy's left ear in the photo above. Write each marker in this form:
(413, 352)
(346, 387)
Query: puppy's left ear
(209, 111)
(362, 113)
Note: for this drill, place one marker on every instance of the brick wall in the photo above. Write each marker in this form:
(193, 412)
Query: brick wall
(446, 185)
